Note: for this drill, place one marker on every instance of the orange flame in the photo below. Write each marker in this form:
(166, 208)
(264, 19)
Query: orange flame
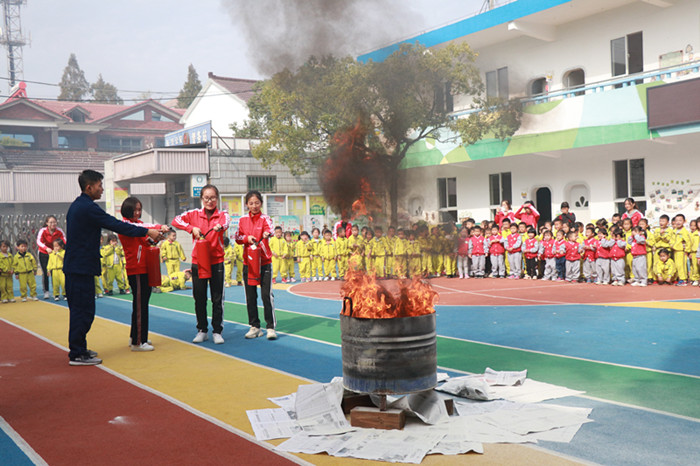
(370, 300)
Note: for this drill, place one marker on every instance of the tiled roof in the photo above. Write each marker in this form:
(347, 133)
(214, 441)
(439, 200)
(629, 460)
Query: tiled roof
(95, 111)
(18, 159)
(242, 88)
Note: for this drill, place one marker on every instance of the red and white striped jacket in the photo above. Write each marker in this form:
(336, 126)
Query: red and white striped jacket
(135, 249)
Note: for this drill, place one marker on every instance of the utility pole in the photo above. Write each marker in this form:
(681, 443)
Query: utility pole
(11, 37)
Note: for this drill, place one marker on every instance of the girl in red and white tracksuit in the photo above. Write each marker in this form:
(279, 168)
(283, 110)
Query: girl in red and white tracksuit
(463, 253)
(137, 274)
(44, 241)
(208, 223)
(253, 232)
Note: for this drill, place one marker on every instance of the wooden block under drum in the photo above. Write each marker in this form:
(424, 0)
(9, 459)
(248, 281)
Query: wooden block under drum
(352, 400)
(364, 416)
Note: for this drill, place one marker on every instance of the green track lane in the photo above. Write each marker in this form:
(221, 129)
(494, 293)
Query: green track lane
(670, 393)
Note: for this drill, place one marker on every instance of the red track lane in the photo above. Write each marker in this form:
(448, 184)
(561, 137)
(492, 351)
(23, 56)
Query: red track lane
(505, 292)
(84, 415)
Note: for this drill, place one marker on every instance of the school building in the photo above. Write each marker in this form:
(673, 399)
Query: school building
(611, 94)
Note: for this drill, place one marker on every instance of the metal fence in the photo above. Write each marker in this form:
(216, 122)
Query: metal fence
(26, 226)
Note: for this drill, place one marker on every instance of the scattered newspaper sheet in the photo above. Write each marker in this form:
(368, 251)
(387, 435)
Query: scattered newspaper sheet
(270, 424)
(318, 409)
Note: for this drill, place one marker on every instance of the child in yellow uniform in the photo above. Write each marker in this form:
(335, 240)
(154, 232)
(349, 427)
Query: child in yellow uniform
(665, 268)
(681, 249)
(341, 246)
(694, 245)
(24, 266)
(288, 274)
(356, 249)
(414, 256)
(171, 253)
(423, 241)
(449, 248)
(663, 236)
(505, 231)
(644, 224)
(55, 268)
(379, 252)
(304, 249)
(7, 293)
(238, 250)
(277, 247)
(329, 254)
(389, 245)
(436, 251)
(114, 262)
(401, 255)
(316, 259)
(174, 281)
(229, 259)
(627, 233)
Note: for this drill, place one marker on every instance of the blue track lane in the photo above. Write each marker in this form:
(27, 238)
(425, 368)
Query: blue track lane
(10, 453)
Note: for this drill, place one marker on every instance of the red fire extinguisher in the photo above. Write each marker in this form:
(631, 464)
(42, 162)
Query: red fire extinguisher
(202, 250)
(153, 264)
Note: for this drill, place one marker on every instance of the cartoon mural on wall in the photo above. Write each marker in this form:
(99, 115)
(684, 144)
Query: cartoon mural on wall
(672, 197)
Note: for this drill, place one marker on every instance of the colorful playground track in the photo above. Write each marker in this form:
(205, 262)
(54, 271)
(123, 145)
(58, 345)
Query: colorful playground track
(635, 351)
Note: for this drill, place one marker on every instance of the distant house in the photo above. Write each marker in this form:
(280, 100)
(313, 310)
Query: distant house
(44, 144)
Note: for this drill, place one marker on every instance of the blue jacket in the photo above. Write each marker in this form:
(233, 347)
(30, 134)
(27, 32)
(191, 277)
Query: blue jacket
(84, 223)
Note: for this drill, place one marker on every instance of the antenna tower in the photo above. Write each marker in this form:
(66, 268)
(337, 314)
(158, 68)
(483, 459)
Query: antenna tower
(11, 37)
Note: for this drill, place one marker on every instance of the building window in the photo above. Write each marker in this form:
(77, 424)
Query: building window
(538, 87)
(155, 116)
(16, 140)
(122, 144)
(626, 55)
(497, 83)
(629, 182)
(500, 189)
(71, 142)
(574, 79)
(77, 116)
(447, 199)
(264, 184)
(136, 116)
(444, 100)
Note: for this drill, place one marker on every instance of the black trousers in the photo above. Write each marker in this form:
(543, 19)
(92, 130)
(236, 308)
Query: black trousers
(44, 262)
(80, 292)
(251, 297)
(199, 292)
(141, 294)
(531, 266)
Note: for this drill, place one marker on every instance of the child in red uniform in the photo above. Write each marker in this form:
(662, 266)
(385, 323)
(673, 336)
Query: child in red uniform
(573, 257)
(590, 245)
(477, 253)
(548, 254)
(137, 274)
(496, 253)
(463, 253)
(532, 250)
(560, 252)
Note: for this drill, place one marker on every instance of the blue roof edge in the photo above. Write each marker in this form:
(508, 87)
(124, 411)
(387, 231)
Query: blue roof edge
(489, 19)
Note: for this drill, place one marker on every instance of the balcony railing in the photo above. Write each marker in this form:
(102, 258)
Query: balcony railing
(602, 86)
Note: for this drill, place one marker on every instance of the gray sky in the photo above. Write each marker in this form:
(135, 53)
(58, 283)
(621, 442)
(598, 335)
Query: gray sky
(147, 45)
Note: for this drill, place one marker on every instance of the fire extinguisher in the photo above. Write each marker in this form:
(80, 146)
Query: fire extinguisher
(202, 249)
(153, 264)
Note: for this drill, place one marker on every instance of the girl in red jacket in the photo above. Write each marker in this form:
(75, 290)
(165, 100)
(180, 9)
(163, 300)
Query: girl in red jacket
(528, 215)
(137, 274)
(254, 230)
(44, 241)
(208, 223)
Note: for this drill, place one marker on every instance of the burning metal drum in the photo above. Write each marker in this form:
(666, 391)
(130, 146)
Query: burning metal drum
(384, 356)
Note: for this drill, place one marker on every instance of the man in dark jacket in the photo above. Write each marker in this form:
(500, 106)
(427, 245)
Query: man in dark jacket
(84, 223)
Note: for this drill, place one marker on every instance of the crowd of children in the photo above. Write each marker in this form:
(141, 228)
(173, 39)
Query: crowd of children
(615, 252)
(612, 252)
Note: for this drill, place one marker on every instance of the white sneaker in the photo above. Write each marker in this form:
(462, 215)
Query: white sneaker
(315, 279)
(56, 298)
(130, 345)
(325, 279)
(695, 283)
(100, 295)
(332, 279)
(24, 300)
(254, 332)
(218, 339)
(142, 347)
(201, 336)
(271, 334)
(634, 284)
(46, 295)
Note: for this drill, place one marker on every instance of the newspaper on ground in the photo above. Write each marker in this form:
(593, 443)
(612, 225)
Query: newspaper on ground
(318, 409)
(455, 441)
(536, 417)
(288, 403)
(428, 406)
(469, 386)
(270, 424)
(507, 378)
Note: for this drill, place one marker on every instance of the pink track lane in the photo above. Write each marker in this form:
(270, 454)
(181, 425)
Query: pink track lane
(505, 292)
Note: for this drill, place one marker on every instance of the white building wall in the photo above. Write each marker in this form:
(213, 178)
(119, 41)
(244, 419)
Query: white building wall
(585, 44)
(590, 168)
(221, 108)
